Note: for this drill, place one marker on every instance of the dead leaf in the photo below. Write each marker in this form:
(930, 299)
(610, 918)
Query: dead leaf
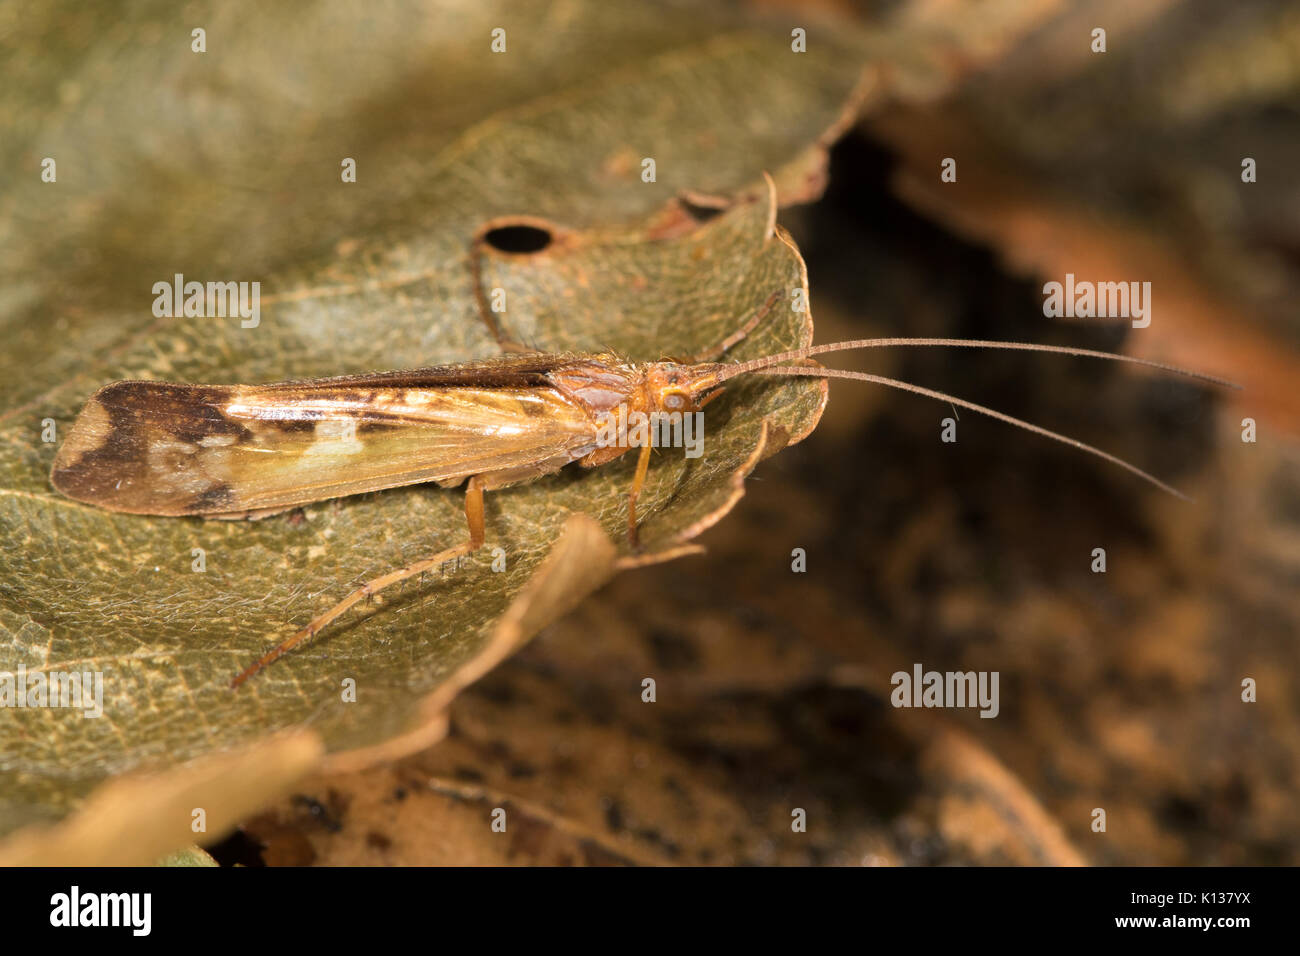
(137, 820)
(359, 277)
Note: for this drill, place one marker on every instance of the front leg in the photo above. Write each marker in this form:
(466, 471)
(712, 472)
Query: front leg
(602, 456)
(638, 480)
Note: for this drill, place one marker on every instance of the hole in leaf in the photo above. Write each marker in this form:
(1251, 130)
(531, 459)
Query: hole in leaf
(699, 211)
(523, 239)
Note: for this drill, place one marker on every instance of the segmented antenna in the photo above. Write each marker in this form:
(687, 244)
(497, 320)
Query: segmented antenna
(773, 365)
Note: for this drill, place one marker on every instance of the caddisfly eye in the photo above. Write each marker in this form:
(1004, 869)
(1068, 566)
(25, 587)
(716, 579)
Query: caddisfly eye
(672, 400)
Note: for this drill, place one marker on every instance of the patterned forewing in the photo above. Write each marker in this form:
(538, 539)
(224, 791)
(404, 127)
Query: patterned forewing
(160, 448)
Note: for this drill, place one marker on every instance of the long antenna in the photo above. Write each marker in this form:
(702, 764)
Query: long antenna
(730, 371)
(983, 409)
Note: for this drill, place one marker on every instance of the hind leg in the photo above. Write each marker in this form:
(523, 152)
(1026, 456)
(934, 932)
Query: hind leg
(473, 518)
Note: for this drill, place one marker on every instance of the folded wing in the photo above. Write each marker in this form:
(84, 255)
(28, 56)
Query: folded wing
(223, 451)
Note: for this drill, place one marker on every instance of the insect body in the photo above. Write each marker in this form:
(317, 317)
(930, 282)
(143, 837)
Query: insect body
(238, 451)
(247, 451)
